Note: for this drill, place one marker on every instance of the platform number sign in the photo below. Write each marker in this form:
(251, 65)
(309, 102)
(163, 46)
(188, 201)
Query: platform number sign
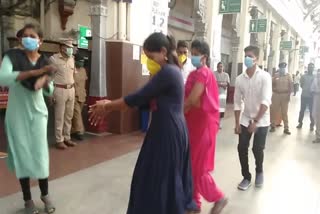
(160, 12)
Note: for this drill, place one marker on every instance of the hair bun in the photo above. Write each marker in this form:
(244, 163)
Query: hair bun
(172, 43)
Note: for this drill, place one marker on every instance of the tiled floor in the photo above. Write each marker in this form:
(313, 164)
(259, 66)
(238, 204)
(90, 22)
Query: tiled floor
(291, 169)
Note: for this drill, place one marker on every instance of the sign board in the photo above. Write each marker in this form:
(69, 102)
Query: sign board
(83, 33)
(230, 6)
(258, 26)
(159, 17)
(304, 49)
(286, 45)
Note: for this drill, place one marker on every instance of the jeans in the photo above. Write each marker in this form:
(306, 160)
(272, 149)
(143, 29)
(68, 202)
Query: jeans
(306, 102)
(259, 143)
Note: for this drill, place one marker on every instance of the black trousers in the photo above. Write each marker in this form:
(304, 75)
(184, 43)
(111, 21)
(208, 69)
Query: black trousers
(306, 102)
(25, 186)
(259, 143)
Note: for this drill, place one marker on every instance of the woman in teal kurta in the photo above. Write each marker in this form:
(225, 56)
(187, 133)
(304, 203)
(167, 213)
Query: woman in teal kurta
(27, 115)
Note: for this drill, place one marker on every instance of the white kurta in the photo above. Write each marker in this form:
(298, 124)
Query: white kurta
(222, 78)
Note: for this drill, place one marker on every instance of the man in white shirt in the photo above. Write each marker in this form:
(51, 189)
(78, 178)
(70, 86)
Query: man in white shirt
(253, 88)
(223, 81)
(182, 51)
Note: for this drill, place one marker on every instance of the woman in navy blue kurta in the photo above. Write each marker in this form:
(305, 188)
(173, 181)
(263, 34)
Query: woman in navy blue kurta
(162, 182)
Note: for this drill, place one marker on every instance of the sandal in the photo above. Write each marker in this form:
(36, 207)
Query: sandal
(219, 206)
(48, 206)
(30, 208)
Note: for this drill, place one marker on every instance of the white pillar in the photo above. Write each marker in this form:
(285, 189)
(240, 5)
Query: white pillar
(240, 40)
(98, 13)
(122, 20)
(276, 45)
(214, 21)
(201, 26)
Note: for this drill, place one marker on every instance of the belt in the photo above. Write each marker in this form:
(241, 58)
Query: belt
(64, 86)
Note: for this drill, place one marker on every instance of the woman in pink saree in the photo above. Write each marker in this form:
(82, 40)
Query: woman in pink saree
(202, 115)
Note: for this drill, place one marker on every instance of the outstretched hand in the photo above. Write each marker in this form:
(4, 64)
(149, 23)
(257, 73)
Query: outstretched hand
(98, 112)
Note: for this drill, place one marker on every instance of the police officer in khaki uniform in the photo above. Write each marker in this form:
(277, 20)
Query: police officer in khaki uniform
(282, 86)
(80, 77)
(64, 93)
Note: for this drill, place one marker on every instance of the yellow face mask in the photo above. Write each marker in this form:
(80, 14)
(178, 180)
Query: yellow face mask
(182, 58)
(153, 67)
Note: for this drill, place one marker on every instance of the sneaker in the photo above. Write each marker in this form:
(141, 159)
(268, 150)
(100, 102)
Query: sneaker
(244, 185)
(299, 126)
(287, 132)
(272, 129)
(259, 180)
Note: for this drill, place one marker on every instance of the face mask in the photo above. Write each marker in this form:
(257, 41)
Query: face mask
(153, 67)
(248, 61)
(69, 52)
(30, 44)
(196, 61)
(282, 71)
(182, 58)
(79, 64)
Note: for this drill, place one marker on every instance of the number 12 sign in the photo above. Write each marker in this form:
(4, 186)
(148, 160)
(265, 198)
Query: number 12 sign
(159, 22)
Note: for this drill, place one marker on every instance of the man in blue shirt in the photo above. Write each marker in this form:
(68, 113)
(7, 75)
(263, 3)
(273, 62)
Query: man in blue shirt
(306, 96)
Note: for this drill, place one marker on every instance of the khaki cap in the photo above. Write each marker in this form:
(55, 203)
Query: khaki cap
(67, 42)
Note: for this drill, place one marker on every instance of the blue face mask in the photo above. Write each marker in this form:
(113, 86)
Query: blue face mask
(248, 61)
(30, 44)
(196, 61)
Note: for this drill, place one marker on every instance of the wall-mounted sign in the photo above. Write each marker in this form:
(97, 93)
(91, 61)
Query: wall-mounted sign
(230, 6)
(286, 45)
(159, 17)
(258, 26)
(82, 40)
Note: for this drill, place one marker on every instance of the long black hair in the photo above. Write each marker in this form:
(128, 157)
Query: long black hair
(203, 48)
(156, 41)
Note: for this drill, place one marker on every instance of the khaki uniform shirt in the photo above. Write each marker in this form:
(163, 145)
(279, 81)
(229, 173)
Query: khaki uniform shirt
(66, 69)
(80, 78)
(282, 84)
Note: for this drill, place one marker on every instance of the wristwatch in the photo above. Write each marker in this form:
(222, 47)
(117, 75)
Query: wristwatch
(255, 120)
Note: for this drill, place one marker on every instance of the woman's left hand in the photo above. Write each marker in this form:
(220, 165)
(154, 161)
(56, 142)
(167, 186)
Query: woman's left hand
(98, 112)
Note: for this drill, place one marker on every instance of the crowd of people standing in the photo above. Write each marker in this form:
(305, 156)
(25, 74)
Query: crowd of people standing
(173, 170)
